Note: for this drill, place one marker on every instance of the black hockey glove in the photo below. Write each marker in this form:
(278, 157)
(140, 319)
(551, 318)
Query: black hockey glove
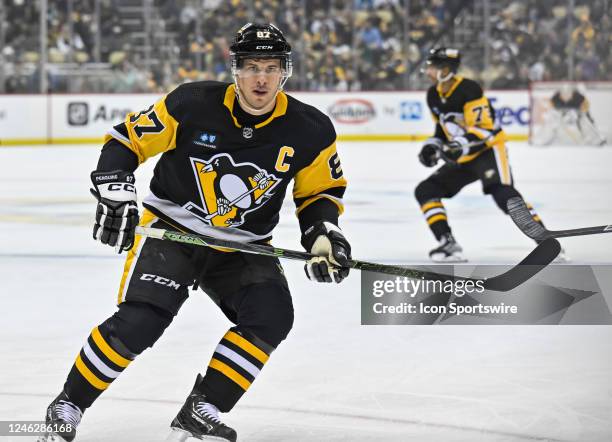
(333, 251)
(117, 212)
(429, 154)
(456, 148)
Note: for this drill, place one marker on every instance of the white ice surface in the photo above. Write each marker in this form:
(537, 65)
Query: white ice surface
(333, 379)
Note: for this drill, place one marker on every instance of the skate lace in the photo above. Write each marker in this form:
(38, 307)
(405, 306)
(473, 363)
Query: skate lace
(208, 410)
(69, 413)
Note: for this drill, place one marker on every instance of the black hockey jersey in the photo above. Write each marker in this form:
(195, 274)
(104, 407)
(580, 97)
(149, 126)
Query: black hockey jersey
(464, 111)
(220, 178)
(577, 101)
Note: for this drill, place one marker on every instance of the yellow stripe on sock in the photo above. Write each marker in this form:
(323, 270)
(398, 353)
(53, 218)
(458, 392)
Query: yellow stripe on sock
(230, 373)
(87, 374)
(108, 350)
(536, 218)
(235, 338)
(427, 206)
(436, 218)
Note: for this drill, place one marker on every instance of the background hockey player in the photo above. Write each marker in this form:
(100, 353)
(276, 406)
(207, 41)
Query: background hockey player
(571, 112)
(229, 152)
(470, 142)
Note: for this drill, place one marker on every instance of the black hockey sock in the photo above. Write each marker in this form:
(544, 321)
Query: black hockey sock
(98, 364)
(237, 361)
(435, 215)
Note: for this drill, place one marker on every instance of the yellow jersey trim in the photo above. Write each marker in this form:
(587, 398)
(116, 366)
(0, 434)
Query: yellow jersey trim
(280, 108)
(458, 80)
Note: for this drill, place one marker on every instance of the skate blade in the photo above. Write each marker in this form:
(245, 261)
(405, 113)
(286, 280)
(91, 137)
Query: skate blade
(178, 435)
(452, 258)
(50, 437)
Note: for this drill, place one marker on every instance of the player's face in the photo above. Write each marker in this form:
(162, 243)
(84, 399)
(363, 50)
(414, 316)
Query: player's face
(258, 81)
(432, 73)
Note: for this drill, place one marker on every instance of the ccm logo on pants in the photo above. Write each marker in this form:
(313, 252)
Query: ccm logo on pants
(160, 280)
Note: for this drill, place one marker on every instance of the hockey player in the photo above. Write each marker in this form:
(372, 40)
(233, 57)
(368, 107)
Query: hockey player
(229, 152)
(470, 142)
(571, 110)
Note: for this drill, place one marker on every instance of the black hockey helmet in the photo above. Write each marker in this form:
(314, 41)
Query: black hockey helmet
(260, 41)
(442, 57)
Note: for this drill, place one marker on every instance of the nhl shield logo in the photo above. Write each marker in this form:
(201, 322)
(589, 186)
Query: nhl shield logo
(247, 132)
(229, 190)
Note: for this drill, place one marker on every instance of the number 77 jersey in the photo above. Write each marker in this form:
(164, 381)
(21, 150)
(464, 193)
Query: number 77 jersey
(464, 111)
(225, 173)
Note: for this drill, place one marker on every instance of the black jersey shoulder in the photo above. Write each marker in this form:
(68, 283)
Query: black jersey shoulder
(466, 90)
(195, 97)
(469, 89)
(310, 123)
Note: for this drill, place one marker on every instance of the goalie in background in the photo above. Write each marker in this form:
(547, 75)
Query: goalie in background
(471, 143)
(570, 114)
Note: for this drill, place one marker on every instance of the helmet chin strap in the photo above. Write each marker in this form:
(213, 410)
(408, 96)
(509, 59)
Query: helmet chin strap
(442, 79)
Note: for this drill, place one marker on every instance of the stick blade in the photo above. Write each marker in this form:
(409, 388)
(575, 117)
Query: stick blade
(521, 215)
(533, 263)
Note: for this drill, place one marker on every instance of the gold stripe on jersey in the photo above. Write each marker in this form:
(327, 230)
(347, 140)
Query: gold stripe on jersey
(279, 110)
(150, 132)
(312, 181)
(89, 376)
(458, 79)
(146, 220)
(230, 373)
(107, 350)
(247, 346)
(309, 201)
(503, 165)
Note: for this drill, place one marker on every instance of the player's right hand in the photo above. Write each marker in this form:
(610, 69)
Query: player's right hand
(430, 154)
(117, 212)
(332, 250)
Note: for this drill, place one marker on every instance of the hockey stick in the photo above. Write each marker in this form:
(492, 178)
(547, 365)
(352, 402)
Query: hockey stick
(539, 258)
(520, 214)
(232, 203)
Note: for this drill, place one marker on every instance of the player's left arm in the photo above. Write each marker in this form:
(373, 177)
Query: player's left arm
(480, 125)
(317, 192)
(479, 130)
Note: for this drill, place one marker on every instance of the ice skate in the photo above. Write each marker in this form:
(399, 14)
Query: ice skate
(448, 250)
(199, 419)
(64, 417)
(562, 257)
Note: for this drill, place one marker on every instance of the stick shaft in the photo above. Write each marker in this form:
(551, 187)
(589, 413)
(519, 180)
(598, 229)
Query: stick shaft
(541, 256)
(520, 214)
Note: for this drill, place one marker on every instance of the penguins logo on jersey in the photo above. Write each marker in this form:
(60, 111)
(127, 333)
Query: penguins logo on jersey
(228, 191)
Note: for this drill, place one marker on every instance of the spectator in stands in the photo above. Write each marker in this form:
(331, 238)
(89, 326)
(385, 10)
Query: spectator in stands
(187, 72)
